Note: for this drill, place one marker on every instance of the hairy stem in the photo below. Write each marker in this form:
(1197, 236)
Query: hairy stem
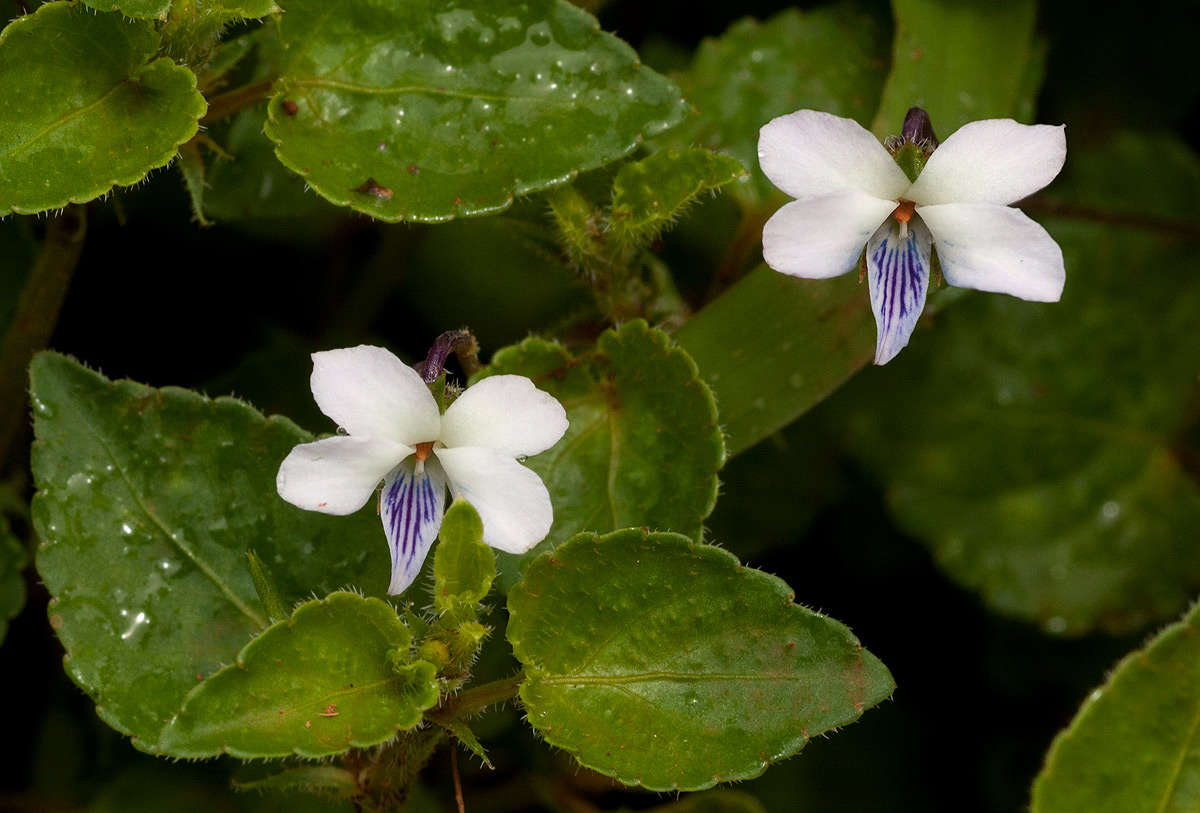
(36, 315)
(474, 700)
(233, 101)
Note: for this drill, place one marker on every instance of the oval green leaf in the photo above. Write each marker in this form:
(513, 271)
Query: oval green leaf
(147, 501)
(409, 111)
(643, 447)
(677, 667)
(1134, 747)
(318, 684)
(224, 10)
(99, 110)
(649, 195)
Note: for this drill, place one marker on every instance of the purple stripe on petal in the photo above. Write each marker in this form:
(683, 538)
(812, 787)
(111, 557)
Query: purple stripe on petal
(898, 273)
(410, 507)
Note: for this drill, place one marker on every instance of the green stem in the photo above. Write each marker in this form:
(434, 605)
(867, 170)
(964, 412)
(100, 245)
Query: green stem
(234, 101)
(474, 700)
(36, 315)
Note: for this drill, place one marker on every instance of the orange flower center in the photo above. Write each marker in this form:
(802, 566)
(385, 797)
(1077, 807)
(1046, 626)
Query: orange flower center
(904, 212)
(424, 449)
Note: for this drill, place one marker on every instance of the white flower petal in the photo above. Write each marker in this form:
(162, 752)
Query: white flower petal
(507, 413)
(411, 507)
(336, 475)
(995, 248)
(898, 273)
(813, 153)
(822, 237)
(511, 500)
(992, 161)
(369, 391)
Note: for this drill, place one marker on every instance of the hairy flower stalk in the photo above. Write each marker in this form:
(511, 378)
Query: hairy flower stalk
(396, 434)
(906, 198)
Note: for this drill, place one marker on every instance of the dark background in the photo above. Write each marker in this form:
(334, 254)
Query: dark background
(160, 300)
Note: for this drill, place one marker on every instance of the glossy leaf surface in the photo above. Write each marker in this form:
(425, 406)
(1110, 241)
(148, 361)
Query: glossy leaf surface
(318, 684)
(1133, 746)
(147, 502)
(100, 110)
(648, 195)
(832, 59)
(1042, 450)
(643, 447)
(678, 667)
(426, 111)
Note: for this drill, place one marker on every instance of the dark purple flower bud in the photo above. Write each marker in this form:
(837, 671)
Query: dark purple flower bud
(918, 129)
(459, 342)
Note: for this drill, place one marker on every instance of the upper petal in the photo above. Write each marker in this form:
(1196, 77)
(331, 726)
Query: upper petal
(996, 248)
(822, 237)
(992, 161)
(813, 153)
(898, 275)
(507, 413)
(336, 475)
(511, 500)
(411, 506)
(369, 391)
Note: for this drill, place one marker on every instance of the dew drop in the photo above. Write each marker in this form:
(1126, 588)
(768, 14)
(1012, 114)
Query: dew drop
(1057, 624)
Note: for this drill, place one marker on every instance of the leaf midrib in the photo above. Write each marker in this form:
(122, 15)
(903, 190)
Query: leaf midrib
(1177, 770)
(429, 90)
(63, 120)
(269, 713)
(663, 677)
(171, 538)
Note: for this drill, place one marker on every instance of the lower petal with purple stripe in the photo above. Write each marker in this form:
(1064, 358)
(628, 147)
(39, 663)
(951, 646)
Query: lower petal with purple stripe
(411, 506)
(898, 274)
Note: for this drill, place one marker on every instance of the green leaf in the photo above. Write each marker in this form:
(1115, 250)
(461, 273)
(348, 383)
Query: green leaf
(158, 9)
(1132, 748)
(191, 167)
(1074, 508)
(772, 347)
(959, 61)
(147, 502)
(13, 559)
(253, 184)
(830, 59)
(144, 9)
(419, 112)
(643, 447)
(318, 684)
(677, 667)
(649, 195)
(99, 111)
(463, 733)
(327, 780)
(463, 567)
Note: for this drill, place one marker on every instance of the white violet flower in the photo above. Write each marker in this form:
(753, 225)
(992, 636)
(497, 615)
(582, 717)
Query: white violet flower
(851, 192)
(395, 433)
